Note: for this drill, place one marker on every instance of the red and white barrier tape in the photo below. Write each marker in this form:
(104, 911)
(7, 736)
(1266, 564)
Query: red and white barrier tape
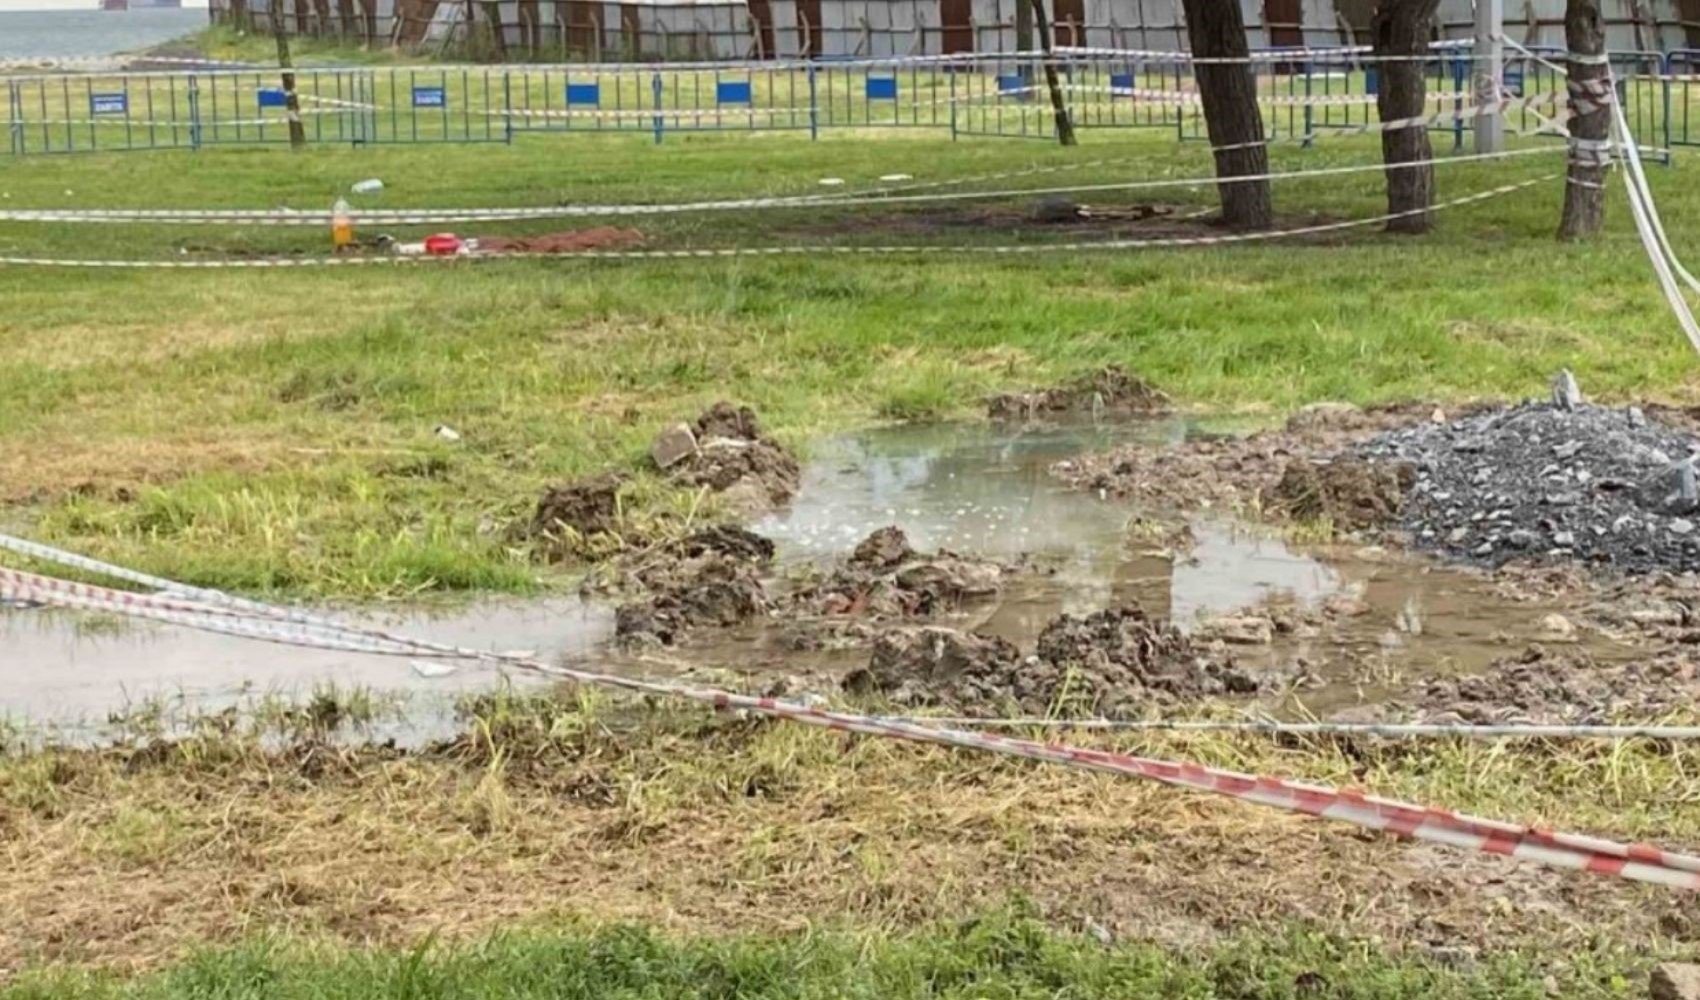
(1273, 727)
(1632, 861)
(1017, 249)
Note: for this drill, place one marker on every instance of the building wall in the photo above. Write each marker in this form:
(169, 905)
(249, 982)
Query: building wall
(887, 28)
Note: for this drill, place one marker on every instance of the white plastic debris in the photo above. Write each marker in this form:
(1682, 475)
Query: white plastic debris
(371, 185)
(447, 433)
(888, 178)
(432, 669)
(825, 181)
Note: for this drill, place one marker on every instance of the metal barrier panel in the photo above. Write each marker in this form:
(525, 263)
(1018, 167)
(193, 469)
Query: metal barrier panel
(994, 95)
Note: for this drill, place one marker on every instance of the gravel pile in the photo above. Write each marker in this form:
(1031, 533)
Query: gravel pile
(1560, 480)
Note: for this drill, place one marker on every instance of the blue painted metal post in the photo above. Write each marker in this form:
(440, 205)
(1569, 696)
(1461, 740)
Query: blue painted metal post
(814, 107)
(194, 112)
(655, 91)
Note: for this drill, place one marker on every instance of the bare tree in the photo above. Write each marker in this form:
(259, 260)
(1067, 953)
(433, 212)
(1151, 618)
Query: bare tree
(1401, 29)
(1584, 185)
(1231, 115)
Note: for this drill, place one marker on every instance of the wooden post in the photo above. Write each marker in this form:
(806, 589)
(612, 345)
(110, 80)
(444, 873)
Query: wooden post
(1232, 117)
(1584, 183)
(1401, 31)
(291, 103)
(1059, 108)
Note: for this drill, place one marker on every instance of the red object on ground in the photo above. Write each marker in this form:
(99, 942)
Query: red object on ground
(442, 245)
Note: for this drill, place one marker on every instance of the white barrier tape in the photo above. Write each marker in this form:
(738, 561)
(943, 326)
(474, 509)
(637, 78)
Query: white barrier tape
(1588, 58)
(1019, 249)
(205, 124)
(439, 217)
(1506, 730)
(1355, 54)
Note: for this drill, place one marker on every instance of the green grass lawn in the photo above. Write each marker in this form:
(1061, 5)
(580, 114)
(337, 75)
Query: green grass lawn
(272, 431)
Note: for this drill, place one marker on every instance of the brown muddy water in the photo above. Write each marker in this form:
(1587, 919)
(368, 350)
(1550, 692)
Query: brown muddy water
(971, 488)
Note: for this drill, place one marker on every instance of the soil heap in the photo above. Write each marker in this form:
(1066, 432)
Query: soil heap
(725, 450)
(1561, 479)
(1113, 661)
(1108, 390)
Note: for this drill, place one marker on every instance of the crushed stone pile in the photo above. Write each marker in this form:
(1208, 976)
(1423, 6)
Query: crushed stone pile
(1115, 660)
(726, 451)
(1560, 480)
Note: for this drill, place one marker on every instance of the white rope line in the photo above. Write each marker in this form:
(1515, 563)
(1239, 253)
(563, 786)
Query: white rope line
(1019, 249)
(433, 217)
(1272, 727)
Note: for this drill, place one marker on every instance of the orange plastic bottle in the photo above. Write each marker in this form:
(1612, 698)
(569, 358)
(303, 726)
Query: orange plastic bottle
(342, 226)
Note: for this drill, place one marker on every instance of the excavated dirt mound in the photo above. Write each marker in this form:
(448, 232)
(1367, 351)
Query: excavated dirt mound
(712, 590)
(587, 507)
(1109, 390)
(885, 578)
(1112, 661)
(1352, 494)
(571, 241)
(725, 451)
(1232, 473)
(1563, 481)
(1539, 686)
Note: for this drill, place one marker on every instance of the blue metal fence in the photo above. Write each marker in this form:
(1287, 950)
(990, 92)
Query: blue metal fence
(1002, 96)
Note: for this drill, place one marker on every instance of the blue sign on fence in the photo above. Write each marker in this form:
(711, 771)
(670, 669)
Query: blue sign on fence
(430, 97)
(1372, 80)
(1120, 81)
(732, 91)
(1012, 84)
(109, 104)
(881, 88)
(584, 93)
(272, 97)
(1514, 80)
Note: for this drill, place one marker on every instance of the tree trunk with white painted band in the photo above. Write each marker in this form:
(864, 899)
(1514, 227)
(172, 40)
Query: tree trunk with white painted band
(1590, 123)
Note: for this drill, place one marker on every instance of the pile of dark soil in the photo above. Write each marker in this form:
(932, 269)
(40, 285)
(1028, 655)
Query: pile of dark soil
(1543, 687)
(711, 578)
(1241, 473)
(1113, 661)
(1109, 390)
(1573, 482)
(587, 507)
(726, 451)
(569, 241)
(1351, 494)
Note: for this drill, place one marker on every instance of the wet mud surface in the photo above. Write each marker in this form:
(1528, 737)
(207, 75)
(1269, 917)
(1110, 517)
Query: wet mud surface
(978, 567)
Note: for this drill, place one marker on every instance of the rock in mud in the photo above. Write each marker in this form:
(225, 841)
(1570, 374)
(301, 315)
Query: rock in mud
(673, 445)
(1674, 981)
(1351, 493)
(1237, 630)
(586, 507)
(883, 549)
(732, 457)
(1110, 390)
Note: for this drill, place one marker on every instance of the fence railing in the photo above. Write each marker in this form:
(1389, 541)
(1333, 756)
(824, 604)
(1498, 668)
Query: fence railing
(991, 95)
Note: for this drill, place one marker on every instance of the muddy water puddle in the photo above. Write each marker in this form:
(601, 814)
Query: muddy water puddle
(974, 488)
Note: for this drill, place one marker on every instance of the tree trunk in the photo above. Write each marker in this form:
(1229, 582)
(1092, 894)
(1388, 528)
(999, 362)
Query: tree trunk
(1216, 29)
(1584, 184)
(291, 103)
(498, 37)
(1402, 29)
(1059, 107)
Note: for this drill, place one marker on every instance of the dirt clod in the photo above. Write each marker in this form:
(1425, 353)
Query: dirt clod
(1539, 686)
(714, 590)
(727, 540)
(883, 549)
(909, 665)
(571, 241)
(1674, 981)
(586, 506)
(1351, 493)
(732, 457)
(1108, 390)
